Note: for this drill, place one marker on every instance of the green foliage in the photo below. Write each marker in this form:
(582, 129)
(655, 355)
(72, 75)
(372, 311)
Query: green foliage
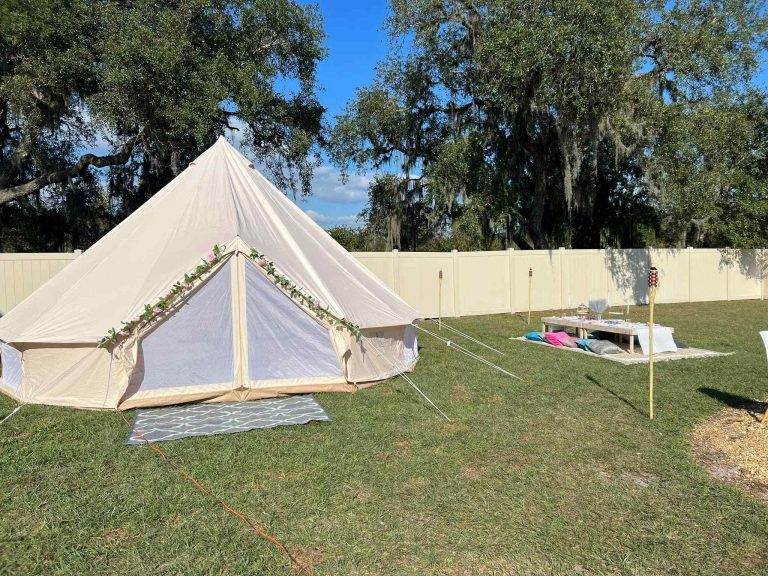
(159, 79)
(568, 123)
(352, 239)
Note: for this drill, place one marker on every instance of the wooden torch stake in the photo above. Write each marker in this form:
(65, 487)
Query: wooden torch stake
(653, 282)
(530, 293)
(440, 300)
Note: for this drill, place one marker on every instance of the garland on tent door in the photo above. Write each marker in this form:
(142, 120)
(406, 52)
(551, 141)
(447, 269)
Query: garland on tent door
(166, 302)
(299, 296)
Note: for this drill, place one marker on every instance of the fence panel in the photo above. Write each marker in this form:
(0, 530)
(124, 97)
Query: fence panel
(22, 274)
(495, 282)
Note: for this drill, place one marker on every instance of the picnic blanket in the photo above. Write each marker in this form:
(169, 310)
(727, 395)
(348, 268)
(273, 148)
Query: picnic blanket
(174, 422)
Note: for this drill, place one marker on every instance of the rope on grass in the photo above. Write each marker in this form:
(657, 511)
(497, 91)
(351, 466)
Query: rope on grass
(401, 372)
(12, 413)
(471, 338)
(202, 488)
(468, 353)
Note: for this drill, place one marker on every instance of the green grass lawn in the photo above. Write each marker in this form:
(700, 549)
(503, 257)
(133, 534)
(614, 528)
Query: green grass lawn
(560, 474)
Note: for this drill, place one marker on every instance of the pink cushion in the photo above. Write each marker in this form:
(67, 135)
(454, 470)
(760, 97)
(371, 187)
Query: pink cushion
(560, 339)
(567, 340)
(552, 338)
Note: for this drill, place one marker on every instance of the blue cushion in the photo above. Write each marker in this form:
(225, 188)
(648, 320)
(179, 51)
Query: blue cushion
(582, 343)
(535, 336)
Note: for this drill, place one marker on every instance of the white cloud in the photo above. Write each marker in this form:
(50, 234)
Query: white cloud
(327, 186)
(329, 221)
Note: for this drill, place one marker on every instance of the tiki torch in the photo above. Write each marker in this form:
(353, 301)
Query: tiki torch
(530, 292)
(653, 284)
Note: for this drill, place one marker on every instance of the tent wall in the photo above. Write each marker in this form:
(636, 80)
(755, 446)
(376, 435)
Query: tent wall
(10, 359)
(236, 337)
(68, 376)
(284, 343)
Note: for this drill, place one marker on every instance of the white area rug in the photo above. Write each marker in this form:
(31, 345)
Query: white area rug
(636, 358)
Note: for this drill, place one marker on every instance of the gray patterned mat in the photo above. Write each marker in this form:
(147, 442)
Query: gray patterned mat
(174, 422)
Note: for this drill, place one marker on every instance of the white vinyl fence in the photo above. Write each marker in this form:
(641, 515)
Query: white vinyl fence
(495, 282)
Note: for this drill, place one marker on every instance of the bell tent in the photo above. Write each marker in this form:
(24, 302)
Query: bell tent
(218, 288)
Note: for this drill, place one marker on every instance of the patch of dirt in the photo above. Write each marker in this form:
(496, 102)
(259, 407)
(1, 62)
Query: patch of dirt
(461, 394)
(495, 400)
(733, 447)
(640, 480)
(115, 535)
(403, 448)
(471, 473)
(362, 495)
(309, 557)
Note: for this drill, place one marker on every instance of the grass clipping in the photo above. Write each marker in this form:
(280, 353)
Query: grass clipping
(733, 447)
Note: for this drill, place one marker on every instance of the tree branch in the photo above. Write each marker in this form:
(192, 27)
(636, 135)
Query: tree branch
(85, 161)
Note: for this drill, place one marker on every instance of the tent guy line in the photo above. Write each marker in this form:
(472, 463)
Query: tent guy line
(442, 323)
(469, 353)
(401, 372)
(12, 413)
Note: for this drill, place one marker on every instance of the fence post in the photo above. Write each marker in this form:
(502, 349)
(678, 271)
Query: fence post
(456, 291)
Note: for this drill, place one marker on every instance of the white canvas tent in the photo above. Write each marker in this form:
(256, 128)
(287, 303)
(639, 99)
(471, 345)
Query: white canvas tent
(235, 335)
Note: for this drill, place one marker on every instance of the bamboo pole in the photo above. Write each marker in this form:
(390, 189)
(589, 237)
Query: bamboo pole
(530, 293)
(653, 283)
(440, 300)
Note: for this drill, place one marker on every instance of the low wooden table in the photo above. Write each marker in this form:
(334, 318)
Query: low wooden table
(584, 325)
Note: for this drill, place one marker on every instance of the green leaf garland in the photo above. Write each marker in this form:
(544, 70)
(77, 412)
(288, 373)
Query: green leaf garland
(298, 295)
(165, 303)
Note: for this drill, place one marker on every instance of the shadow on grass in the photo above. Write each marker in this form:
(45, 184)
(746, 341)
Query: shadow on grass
(755, 408)
(599, 384)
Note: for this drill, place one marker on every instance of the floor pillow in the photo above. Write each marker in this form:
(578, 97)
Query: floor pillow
(552, 338)
(535, 336)
(565, 339)
(582, 343)
(604, 347)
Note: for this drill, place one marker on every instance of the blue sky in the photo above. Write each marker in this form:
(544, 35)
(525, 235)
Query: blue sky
(356, 42)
